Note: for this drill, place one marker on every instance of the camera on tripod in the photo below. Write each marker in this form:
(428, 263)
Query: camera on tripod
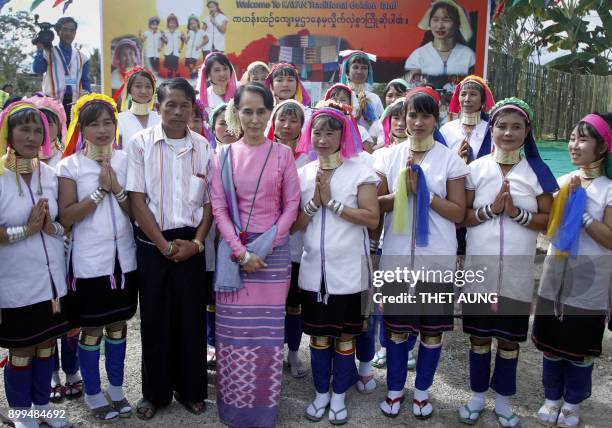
(45, 36)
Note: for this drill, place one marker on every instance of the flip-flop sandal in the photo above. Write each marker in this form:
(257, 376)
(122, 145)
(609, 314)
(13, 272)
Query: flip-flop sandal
(469, 420)
(57, 394)
(390, 402)
(507, 421)
(379, 361)
(145, 410)
(73, 390)
(102, 413)
(122, 406)
(190, 406)
(337, 421)
(363, 382)
(297, 372)
(421, 405)
(315, 418)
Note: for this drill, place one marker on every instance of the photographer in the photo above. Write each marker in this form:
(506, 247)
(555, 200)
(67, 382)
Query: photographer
(65, 69)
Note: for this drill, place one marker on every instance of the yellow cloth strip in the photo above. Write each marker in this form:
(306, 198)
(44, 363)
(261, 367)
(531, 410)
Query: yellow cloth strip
(402, 206)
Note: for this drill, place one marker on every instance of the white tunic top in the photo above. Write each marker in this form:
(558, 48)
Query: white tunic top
(26, 276)
(153, 42)
(428, 60)
(129, 125)
(105, 233)
(216, 39)
(439, 165)
(454, 135)
(589, 276)
(214, 100)
(501, 246)
(333, 247)
(173, 43)
(54, 159)
(194, 44)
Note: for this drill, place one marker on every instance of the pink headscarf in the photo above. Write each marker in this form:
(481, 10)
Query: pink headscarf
(601, 126)
(230, 90)
(347, 142)
(48, 103)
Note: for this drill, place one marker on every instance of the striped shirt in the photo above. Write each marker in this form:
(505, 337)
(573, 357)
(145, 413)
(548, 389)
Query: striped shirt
(172, 173)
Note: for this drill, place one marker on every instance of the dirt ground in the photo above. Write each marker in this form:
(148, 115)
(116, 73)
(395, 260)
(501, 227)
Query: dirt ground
(449, 391)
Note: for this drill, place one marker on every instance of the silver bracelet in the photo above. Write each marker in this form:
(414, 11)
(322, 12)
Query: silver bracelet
(477, 216)
(58, 229)
(310, 209)
(431, 197)
(97, 195)
(335, 206)
(121, 196)
(523, 218)
(17, 233)
(374, 244)
(169, 249)
(587, 219)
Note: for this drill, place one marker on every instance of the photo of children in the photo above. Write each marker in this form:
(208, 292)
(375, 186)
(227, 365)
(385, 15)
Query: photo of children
(172, 40)
(194, 40)
(126, 54)
(152, 39)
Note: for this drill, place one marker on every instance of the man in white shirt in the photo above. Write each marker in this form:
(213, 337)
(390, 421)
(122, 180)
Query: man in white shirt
(168, 185)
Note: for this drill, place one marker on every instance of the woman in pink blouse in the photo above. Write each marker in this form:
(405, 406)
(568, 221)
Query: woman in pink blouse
(255, 197)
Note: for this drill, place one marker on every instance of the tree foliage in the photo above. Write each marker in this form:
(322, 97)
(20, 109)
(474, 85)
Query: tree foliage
(527, 25)
(16, 48)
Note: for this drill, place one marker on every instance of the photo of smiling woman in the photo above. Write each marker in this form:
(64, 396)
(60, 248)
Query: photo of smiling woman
(126, 55)
(444, 51)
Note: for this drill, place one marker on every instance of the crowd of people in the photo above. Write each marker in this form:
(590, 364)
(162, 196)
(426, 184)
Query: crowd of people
(243, 215)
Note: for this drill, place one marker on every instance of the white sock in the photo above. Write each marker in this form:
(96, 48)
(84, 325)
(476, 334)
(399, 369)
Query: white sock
(55, 379)
(115, 392)
(294, 358)
(552, 403)
(395, 394)
(53, 422)
(95, 401)
(420, 395)
(73, 378)
(502, 405)
(321, 399)
(382, 351)
(337, 401)
(365, 368)
(477, 402)
(572, 407)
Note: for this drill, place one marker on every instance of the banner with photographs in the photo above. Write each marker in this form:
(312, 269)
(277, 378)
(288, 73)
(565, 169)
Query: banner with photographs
(436, 42)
